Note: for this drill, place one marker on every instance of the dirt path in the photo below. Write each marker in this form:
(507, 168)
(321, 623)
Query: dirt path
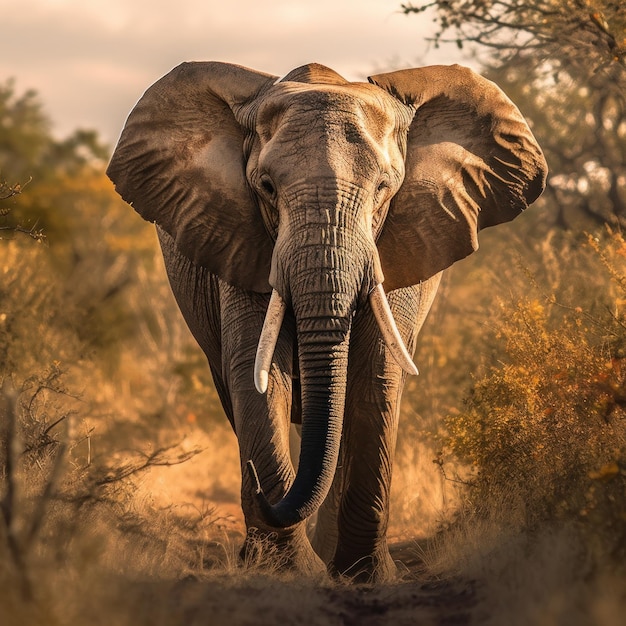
(229, 596)
(244, 598)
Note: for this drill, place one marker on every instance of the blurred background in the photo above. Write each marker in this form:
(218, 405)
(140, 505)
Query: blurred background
(91, 61)
(116, 462)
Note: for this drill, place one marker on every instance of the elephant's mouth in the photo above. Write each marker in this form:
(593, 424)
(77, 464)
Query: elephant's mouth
(274, 319)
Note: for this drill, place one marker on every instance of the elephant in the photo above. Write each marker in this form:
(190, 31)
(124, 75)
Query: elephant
(305, 222)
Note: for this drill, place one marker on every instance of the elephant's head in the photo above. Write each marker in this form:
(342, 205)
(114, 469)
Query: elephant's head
(323, 190)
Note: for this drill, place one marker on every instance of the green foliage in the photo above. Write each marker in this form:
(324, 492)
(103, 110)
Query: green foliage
(24, 132)
(544, 430)
(27, 147)
(30, 154)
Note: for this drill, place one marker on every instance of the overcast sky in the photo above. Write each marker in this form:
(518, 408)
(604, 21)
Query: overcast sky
(90, 60)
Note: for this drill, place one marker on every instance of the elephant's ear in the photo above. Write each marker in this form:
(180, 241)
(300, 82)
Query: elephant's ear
(180, 163)
(471, 162)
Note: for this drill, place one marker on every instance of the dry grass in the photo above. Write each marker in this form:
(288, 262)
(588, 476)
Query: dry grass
(421, 497)
(125, 477)
(540, 444)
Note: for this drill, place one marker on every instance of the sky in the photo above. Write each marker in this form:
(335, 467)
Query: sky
(90, 60)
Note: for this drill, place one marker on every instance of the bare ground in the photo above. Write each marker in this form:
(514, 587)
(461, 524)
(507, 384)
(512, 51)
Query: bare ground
(267, 599)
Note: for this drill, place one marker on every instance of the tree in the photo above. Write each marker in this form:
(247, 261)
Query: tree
(27, 146)
(97, 291)
(564, 63)
(581, 37)
(30, 153)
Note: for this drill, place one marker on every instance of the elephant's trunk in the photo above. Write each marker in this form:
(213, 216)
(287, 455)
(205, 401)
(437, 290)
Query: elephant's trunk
(325, 264)
(322, 267)
(323, 356)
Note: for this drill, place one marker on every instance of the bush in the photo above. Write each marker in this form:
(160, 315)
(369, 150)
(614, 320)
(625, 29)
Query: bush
(543, 432)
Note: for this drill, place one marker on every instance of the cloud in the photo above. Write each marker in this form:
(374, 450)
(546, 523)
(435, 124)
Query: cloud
(90, 60)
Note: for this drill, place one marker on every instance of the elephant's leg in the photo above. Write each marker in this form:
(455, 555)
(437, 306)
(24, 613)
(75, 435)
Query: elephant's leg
(375, 385)
(261, 423)
(369, 437)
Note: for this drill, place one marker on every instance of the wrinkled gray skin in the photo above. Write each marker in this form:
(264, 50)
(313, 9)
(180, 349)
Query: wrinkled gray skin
(320, 189)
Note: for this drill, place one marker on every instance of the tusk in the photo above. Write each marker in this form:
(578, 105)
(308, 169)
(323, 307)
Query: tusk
(267, 341)
(389, 330)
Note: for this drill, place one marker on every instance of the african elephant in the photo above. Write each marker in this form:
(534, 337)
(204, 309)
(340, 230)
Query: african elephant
(305, 223)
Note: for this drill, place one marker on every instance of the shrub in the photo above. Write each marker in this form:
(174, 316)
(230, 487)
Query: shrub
(544, 430)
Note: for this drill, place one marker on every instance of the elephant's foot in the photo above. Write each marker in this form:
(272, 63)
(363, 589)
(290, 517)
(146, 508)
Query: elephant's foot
(281, 551)
(377, 567)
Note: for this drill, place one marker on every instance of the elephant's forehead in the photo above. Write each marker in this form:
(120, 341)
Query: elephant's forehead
(361, 100)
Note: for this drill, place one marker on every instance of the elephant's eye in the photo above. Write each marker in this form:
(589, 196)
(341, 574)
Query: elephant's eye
(383, 184)
(267, 185)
